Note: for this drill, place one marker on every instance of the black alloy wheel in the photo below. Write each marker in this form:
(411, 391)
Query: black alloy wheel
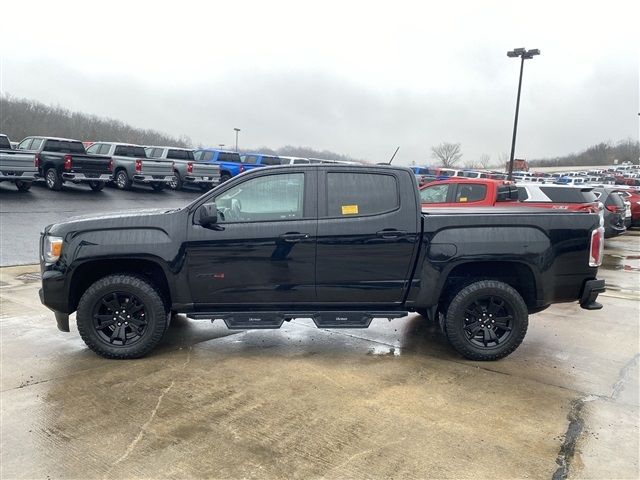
(119, 319)
(486, 320)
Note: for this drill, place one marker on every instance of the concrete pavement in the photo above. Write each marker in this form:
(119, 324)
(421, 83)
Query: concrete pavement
(392, 401)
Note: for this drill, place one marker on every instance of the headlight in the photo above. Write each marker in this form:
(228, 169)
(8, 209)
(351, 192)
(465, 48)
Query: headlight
(52, 249)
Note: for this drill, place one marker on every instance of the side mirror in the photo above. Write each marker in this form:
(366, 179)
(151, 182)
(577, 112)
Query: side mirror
(208, 214)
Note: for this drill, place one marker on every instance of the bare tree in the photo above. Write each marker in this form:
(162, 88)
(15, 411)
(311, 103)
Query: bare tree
(447, 153)
(484, 161)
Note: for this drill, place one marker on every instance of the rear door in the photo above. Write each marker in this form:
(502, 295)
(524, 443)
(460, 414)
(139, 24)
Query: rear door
(367, 236)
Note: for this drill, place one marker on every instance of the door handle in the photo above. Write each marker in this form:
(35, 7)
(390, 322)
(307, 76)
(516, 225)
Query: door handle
(391, 233)
(293, 236)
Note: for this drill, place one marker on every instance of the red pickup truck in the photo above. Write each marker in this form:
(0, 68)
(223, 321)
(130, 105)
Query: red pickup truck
(484, 192)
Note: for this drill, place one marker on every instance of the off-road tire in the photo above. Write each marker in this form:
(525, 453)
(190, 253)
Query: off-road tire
(457, 312)
(53, 179)
(157, 316)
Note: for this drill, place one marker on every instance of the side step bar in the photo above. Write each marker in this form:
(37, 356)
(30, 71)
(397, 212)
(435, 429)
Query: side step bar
(275, 319)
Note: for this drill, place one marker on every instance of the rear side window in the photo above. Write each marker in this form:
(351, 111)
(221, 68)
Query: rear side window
(298, 161)
(351, 194)
(63, 146)
(180, 154)
(37, 143)
(470, 192)
(568, 195)
(271, 161)
(229, 157)
(435, 194)
(130, 151)
(104, 149)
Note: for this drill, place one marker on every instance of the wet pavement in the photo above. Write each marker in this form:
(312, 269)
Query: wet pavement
(23, 215)
(391, 401)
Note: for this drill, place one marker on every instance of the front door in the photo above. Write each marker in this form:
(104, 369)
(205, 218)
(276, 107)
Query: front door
(262, 249)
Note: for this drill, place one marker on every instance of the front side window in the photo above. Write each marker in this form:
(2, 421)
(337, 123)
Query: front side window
(25, 144)
(266, 198)
(361, 194)
(434, 194)
(93, 149)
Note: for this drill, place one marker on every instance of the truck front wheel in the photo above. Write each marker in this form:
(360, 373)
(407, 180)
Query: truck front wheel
(122, 316)
(486, 320)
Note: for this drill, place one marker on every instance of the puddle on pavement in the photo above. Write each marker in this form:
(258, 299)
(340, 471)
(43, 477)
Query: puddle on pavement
(626, 263)
(384, 350)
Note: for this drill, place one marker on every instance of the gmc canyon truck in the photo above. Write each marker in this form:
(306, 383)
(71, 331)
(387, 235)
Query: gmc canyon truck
(186, 170)
(61, 160)
(16, 167)
(336, 243)
(130, 165)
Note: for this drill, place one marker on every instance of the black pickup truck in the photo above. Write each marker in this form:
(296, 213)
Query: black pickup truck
(62, 160)
(339, 244)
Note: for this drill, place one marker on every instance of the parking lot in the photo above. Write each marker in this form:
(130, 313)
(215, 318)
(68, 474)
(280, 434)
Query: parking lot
(391, 401)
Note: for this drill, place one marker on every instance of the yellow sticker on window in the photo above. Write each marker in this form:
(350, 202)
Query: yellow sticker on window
(349, 209)
(463, 199)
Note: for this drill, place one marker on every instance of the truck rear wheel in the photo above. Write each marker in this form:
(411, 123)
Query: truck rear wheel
(23, 186)
(96, 186)
(224, 176)
(486, 320)
(122, 316)
(53, 179)
(123, 182)
(177, 183)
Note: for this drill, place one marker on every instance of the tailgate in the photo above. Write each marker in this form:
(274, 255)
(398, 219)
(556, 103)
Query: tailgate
(157, 168)
(206, 170)
(17, 162)
(90, 165)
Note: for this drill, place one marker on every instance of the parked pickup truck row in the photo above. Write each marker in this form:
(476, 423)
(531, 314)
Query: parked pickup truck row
(60, 160)
(16, 167)
(341, 245)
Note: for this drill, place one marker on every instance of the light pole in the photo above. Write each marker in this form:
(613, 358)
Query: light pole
(237, 131)
(524, 54)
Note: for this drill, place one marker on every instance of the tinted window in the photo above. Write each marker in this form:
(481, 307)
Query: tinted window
(614, 200)
(63, 146)
(271, 161)
(5, 143)
(360, 193)
(468, 192)
(300, 160)
(522, 194)
(434, 194)
(229, 157)
(130, 151)
(180, 154)
(266, 198)
(250, 159)
(568, 195)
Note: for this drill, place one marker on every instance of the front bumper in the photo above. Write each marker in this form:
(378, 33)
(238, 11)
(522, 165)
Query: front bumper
(154, 178)
(62, 319)
(81, 177)
(590, 292)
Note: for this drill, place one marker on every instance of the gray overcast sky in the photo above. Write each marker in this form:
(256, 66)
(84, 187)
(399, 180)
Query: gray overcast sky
(358, 78)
